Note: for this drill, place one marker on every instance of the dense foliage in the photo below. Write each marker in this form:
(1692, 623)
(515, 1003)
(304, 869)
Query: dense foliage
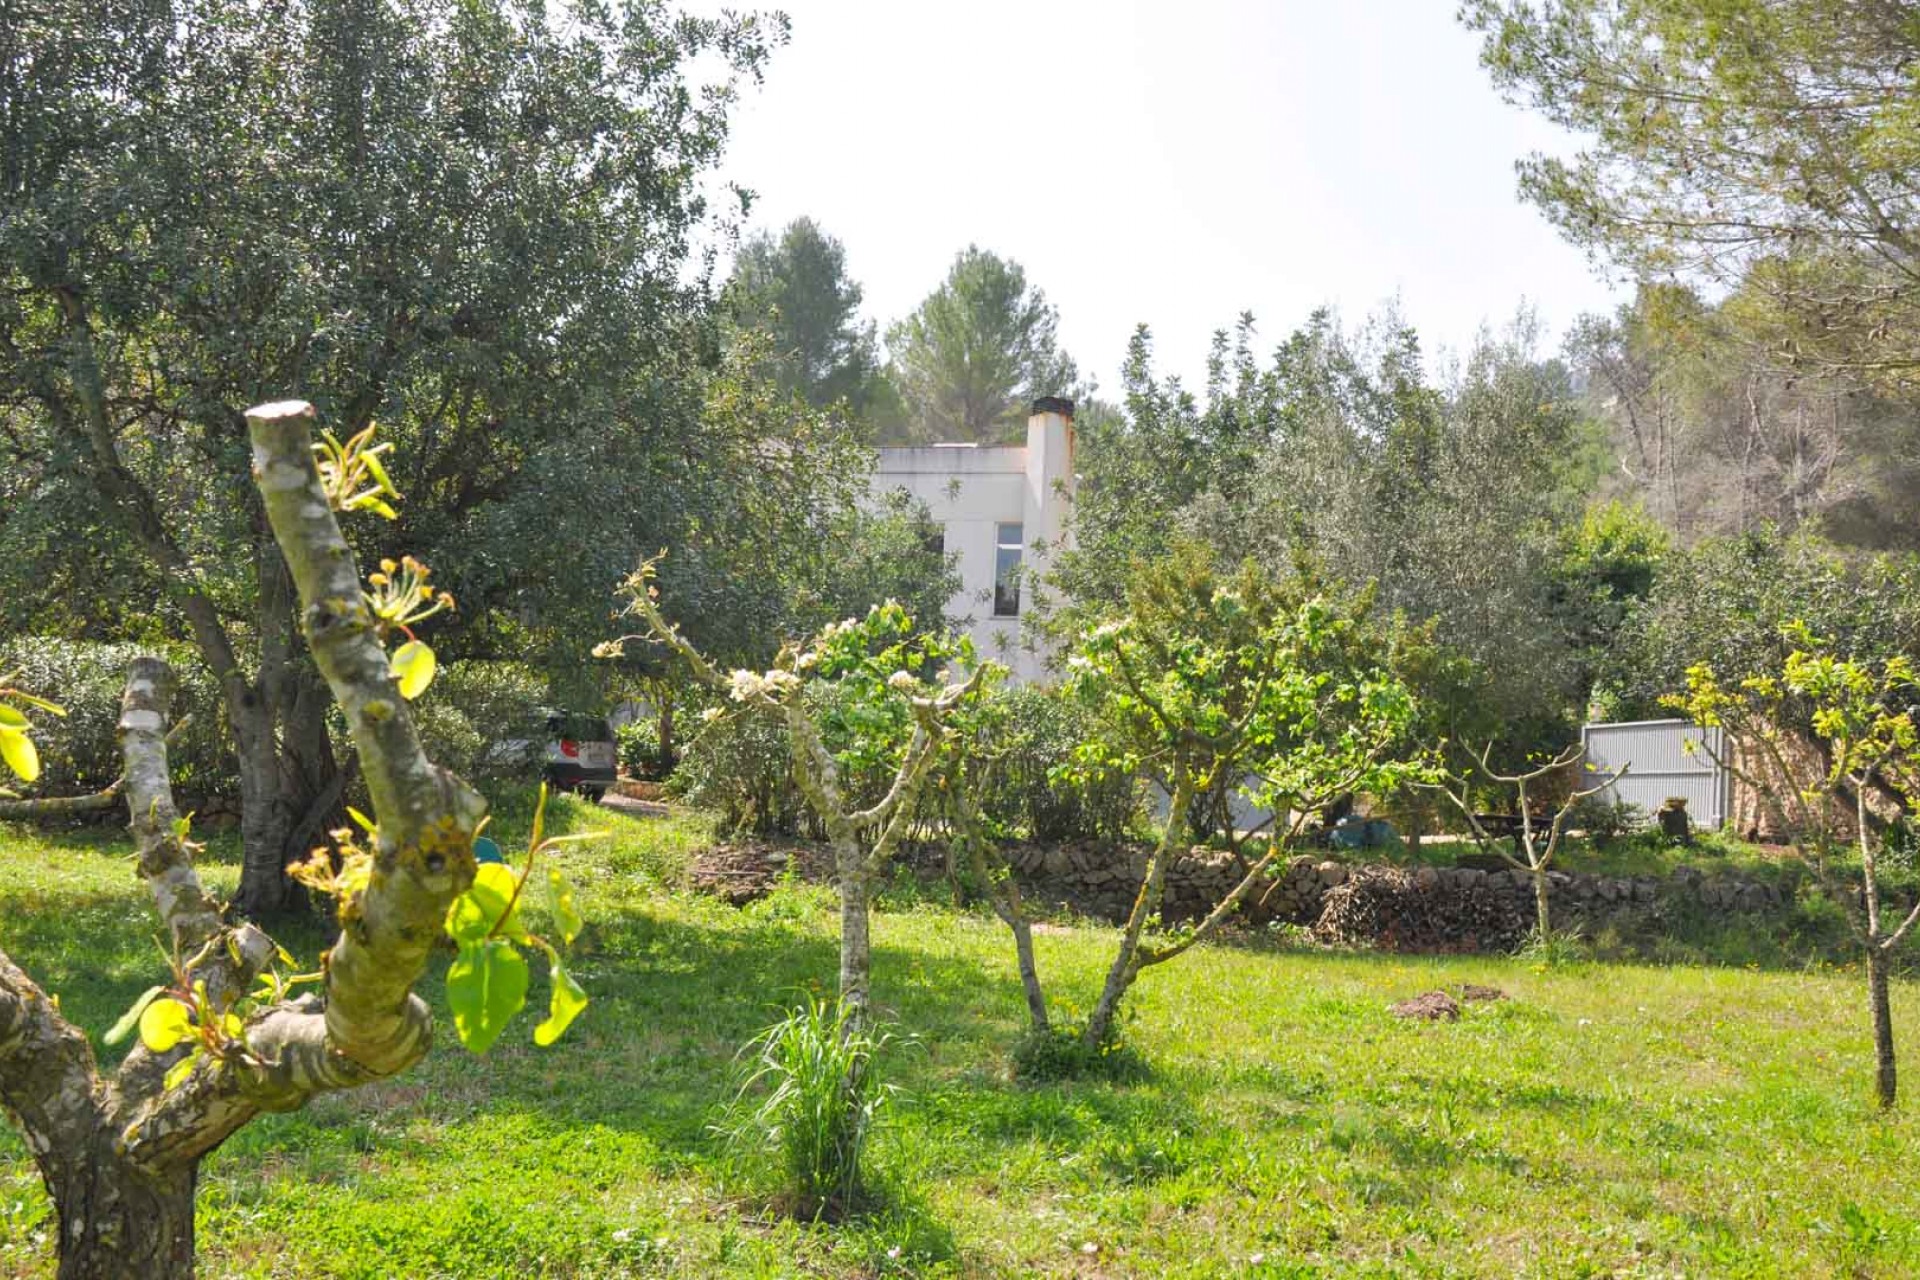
(1764, 144)
(1025, 784)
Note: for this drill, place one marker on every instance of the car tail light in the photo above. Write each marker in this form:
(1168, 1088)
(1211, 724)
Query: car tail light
(569, 748)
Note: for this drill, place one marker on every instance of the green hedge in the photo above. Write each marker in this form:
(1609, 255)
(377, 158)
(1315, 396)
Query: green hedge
(474, 706)
(79, 752)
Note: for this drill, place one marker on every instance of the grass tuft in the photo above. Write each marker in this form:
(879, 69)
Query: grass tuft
(810, 1102)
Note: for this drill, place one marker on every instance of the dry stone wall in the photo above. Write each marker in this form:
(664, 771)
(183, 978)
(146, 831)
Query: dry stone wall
(1418, 909)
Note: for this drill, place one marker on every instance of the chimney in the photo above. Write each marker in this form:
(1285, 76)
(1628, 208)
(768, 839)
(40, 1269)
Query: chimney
(1050, 482)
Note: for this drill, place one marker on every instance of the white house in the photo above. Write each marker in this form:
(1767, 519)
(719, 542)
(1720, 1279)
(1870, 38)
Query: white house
(1001, 508)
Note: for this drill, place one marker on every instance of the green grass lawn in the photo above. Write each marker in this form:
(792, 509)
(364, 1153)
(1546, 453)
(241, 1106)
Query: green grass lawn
(1605, 1121)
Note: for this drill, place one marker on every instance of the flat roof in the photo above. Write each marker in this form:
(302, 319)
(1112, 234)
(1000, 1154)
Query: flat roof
(957, 459)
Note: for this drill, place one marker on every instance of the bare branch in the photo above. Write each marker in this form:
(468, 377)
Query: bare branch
(191, 915)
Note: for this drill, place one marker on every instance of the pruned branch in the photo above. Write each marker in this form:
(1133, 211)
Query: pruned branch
(188, 911)
(93, 802)
(427, 817)
(367, 1024)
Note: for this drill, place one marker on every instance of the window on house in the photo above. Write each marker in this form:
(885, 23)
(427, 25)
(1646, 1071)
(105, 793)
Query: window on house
(1006, 571)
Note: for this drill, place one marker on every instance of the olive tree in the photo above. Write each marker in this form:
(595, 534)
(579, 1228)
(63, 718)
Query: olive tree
(471, 222)
(224, 1040)
(1863, 716)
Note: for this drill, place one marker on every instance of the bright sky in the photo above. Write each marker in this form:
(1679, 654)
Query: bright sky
(1168, 162)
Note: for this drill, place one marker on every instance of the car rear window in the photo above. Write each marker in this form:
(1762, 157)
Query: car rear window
(582, 728)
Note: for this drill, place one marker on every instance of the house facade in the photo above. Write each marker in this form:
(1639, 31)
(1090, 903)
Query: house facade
(1001, 509)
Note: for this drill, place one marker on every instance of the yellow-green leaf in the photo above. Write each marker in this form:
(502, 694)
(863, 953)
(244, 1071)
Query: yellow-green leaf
(51, 708)
(483, 908)
(13, 720)
(18, 751)
(539, 818)
(164, 1024)
(413, 665)
(181, 1070)
(486, 986)
(378, 471)
(131, 1019)
(560, 902)
(565, 1004)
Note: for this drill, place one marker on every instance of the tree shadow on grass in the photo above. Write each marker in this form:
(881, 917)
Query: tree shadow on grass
(655, 1054)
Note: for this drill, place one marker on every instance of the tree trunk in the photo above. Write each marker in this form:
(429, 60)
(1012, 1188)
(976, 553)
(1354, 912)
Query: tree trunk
(666, 734)
(1540, 895)
(116, 1222)
(1126, 960)
(291, 789)
(265, 891)
(1119, 978)
(1885, 1079)
(1029, 972)
(856, 947)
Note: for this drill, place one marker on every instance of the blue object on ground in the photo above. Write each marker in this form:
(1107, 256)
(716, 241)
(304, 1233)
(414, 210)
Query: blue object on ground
(1354, 832)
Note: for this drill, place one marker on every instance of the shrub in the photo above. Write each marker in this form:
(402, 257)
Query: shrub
(473, 707)
(640, 753)
(1604, 820)
(1035, 733)
(80, 752)
(1062, 1053)
(450, 737)
(810, 1101)
(739, 768)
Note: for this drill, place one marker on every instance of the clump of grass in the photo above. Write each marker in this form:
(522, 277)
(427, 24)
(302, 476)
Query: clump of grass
(809, 1104)
(1555, 948)
(1062, 1053)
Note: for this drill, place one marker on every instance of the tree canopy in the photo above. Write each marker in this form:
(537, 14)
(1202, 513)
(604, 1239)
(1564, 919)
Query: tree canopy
(470, 221)
(1766, 144)
(976, 352)
(795, 288)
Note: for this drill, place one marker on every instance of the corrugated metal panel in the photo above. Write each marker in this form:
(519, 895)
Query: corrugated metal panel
(1660, 765)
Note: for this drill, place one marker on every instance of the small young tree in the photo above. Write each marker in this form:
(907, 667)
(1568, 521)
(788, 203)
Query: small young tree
(1863, 714)
(895, 721)
(1206, 674)
(223, 1041)
(1536, 849)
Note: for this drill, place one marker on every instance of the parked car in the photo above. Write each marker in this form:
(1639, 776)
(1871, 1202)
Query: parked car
(581, 754)
(573, 751)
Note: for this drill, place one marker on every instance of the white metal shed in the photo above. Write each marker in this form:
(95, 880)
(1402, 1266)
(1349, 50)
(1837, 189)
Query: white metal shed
(1661, 766)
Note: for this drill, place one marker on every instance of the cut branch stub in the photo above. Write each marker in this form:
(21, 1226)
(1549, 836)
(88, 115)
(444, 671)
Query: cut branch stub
(191, 915)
